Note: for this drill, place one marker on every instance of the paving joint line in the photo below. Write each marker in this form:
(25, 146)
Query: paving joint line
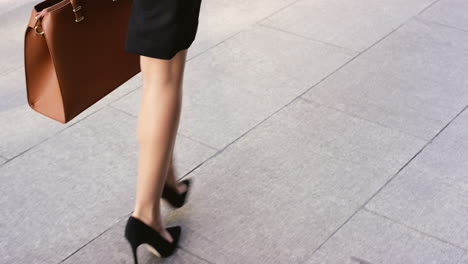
(124, 217)
(362, 207)
(122, 111)
(350, 60)
(198, 141)
(261, 21)
(328, 156)
(428, 22)
(90, 241)
(292, 101)
(125, 94)
(426, 8)
(52, 136)
(413, 228)
(217, 44)
(58, 132)
(276, 11)
(310, 39)
(242, 29)
(269, 116)
(417, 153)
(365, 119)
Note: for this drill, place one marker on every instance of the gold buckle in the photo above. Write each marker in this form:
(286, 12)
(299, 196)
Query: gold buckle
(76, 9)
(79, 19)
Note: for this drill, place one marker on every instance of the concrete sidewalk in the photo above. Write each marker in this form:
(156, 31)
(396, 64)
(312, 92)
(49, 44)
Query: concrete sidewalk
(316, 131)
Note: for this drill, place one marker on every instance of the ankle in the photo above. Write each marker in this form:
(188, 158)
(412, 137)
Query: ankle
(150, 219)
(172, 182)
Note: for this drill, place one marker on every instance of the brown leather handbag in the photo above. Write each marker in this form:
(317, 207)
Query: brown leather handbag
(74, 54)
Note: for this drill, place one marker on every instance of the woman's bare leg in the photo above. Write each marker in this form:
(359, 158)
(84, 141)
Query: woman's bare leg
(171, 179)
(158, 122)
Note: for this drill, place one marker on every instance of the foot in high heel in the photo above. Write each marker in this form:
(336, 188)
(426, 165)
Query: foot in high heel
(173, 197)
(137, 233)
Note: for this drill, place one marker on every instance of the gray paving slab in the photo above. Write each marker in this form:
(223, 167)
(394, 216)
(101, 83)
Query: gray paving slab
(335, 134)
(370, 239)
(426, 49)
(458, 128)
(352, 24)
(2, 160)
(279, 191)
(8, 9)
(448, 12)
(80, 181)
(188, 154)
(23, 127)
(111, 247)
(412, 81)
(9, 5)
(61, 194)
(221, 19)
(243, 80)
(13, 90)
(431, 193)
(464, 259)
(13, 25)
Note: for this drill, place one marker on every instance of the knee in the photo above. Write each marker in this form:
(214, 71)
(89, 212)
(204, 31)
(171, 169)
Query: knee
(161, 83)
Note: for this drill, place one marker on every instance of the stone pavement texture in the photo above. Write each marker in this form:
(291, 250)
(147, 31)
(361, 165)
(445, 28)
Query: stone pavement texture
(316, 131)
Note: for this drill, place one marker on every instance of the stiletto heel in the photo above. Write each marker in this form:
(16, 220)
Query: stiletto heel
(173, 197)
(135, 258)
(137, 233)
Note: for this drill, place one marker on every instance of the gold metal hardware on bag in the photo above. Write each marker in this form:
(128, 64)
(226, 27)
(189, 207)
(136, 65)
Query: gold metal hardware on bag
(37, 32)
(78, 8)
(36, 25)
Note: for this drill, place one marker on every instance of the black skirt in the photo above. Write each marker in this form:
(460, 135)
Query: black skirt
(161, 28)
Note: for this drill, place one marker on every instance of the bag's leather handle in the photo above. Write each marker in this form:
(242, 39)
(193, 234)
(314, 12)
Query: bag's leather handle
(35, 20)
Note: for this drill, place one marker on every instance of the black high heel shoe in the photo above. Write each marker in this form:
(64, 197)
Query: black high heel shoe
(137, 233)
(175, 199)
